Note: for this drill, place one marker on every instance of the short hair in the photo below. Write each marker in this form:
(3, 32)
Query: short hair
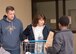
(37, 18)
(9, 8)
(64, 21)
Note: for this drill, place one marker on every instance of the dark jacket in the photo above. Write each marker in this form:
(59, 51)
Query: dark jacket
(10, 33)
(63, 43)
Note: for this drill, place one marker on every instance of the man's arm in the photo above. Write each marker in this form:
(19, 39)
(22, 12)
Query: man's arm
(21, 30)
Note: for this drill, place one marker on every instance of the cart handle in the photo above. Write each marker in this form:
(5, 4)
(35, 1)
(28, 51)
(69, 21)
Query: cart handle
(37, 40)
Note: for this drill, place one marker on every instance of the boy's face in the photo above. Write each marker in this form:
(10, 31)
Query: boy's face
(59, 25)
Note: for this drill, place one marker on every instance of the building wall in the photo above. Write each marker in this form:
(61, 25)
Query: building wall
(22, 7)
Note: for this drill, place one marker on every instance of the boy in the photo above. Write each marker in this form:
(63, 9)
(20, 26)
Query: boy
(63, 40)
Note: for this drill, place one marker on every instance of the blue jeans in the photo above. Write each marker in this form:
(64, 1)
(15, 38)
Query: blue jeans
(14, 51)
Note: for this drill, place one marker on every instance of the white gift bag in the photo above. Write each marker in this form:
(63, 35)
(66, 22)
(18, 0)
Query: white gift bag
(3, 51)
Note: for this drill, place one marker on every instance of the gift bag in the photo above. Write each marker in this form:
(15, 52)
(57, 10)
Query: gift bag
(49, 40)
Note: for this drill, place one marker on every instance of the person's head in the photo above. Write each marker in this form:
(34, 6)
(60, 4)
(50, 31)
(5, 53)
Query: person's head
(10, 12)
(39, 20)
(63, 21)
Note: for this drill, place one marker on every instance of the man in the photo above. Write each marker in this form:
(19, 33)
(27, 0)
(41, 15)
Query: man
(10, 31)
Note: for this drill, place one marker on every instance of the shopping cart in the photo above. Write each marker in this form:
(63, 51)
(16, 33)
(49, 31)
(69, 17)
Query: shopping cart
(35, 47)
